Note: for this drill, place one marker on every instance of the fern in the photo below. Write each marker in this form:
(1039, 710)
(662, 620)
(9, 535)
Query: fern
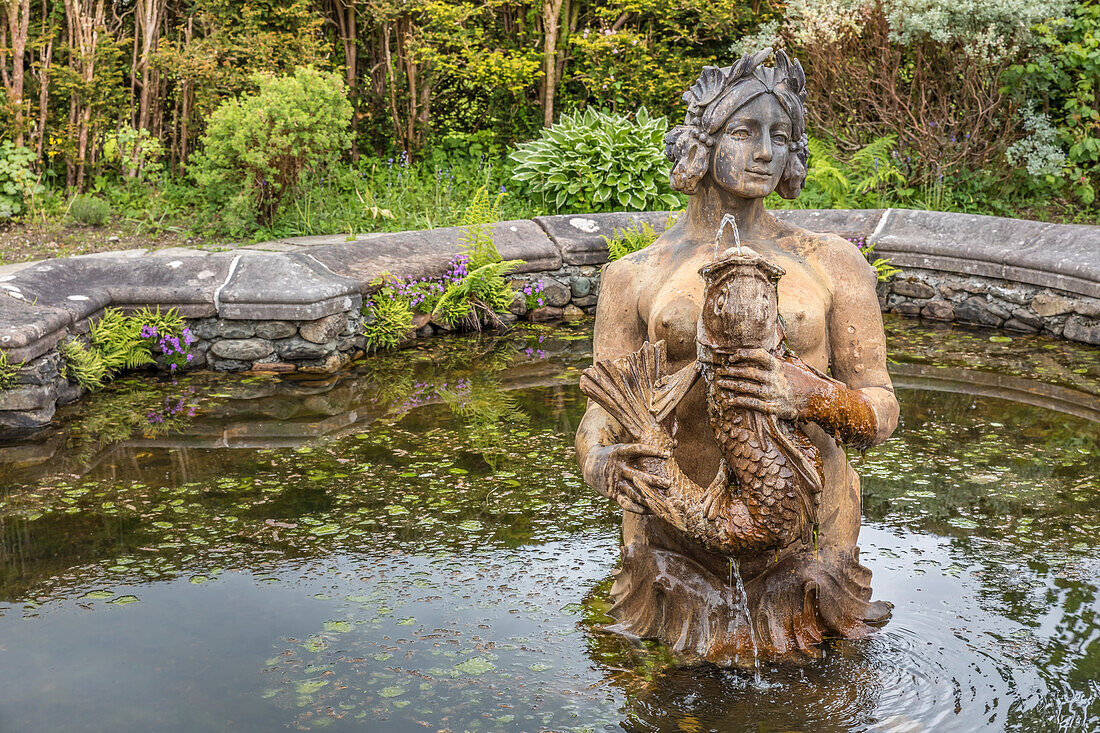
(389, 319)
(84, 365)
(476, 298)
(477, 235)
(628, 241)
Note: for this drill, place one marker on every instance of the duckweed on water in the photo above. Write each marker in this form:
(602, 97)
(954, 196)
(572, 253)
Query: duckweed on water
(410, 546)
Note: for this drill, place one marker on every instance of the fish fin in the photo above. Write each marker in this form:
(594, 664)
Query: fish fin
(627, 389)
(674, 388)
(715, 495)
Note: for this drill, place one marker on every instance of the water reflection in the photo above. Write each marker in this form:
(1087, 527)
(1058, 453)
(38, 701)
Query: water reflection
(410, 547)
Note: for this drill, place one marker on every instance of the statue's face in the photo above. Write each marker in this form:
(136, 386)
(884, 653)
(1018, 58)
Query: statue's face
(750, 156)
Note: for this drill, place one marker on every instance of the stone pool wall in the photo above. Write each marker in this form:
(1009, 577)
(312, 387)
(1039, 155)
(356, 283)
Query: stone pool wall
(295, 304)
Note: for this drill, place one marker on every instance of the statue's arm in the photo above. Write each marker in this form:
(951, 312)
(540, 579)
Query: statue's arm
(864, 412)
(600, 442)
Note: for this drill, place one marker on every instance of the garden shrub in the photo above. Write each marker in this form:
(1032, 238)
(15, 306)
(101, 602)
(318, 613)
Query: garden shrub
(118, 341)
(869, 178)
(17, 182)
(89, 211)
(257, 148)
(1060, 85)
(83, 364)
(598, 161)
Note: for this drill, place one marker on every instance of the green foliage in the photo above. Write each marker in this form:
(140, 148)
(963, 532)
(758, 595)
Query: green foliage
(389, 318)
(8, 372)
(867, 179)
(83, 364)
(1063, 81)
(599, 161)
(476, 298)
(89, 211)
(477, 231)
(18, 182)
(118, 339)
(627, 241)
(135, 152)
(258, 147)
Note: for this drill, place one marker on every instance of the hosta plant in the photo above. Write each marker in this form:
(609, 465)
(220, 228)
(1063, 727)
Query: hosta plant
(598, 161)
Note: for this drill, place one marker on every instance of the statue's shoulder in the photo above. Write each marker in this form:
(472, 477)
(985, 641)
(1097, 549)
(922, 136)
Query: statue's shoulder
(832, 253)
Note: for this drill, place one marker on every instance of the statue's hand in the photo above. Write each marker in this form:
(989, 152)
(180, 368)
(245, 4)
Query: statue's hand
(623, 475)
(758, 380)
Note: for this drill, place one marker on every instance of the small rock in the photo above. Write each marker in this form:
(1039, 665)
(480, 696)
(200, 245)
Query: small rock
(1014, 325)
(272, 330)
(324, 329)
(229, 365)
(938, 310)
(248, 350)
(1048, 304)
(1088, 308)
(976, 310)
(907, 309)
(1023, 315)
(296, 348)
(26, 419)
(580, 287)
(913, 289)
(506, 319)
(572, 313)
(545, 313)
(228, 329)
(279, 367)
(554, 293)
(420, 320)
(586, 301)
(206, 328)
(44, 370)
(333, 363)
(518, 306)
(28, 399)
(1079, 328)
(113, 239)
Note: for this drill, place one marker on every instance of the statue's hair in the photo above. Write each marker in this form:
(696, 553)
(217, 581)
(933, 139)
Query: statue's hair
(716, 95)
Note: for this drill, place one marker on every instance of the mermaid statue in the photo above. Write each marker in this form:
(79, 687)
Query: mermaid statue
(735, 357)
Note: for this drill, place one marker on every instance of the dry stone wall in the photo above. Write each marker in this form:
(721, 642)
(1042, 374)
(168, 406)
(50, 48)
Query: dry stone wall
(295, 304)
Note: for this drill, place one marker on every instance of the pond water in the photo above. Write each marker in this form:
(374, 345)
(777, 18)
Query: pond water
(409, 547)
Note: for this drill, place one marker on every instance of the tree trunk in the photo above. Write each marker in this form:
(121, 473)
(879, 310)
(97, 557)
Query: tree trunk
(551, 11)
(18, 14)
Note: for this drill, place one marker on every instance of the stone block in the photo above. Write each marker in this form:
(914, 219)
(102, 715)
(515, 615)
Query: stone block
(324, 329)
(845, 222)
(1079, 328)
(1023, 315)
(27, 419)
(913, 289)
(30, 398)
(429, 253)
(228, 329)
(242, 349)
(938, 310)
(296, 348)
(580, 238)
(906, 308)
(272, 330)
(28, 330)
(291, 287)
(554, 293)
(230, 365)
(1047, 304)
(45, 370)
(518, 306)
(1015, 325)
(572, 313)
(976, 310)
(545, 313)
(580, 287)
(1088, 308)
(588, 301)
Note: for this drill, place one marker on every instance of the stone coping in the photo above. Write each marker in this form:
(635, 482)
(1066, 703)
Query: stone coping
(307, 278)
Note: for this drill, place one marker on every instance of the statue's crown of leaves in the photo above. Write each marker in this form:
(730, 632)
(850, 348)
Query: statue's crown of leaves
(714, 82)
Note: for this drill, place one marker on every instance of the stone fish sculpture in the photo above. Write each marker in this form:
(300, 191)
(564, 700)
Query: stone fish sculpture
(764, 495)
